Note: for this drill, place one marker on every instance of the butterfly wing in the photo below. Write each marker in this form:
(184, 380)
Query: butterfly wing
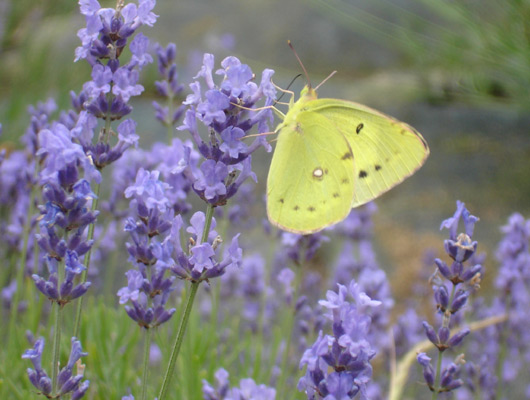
(385, 150)
(311, 177)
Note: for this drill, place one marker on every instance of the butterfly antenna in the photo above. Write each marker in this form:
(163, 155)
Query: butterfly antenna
(299, 62)
(325, 80)
(288, 86)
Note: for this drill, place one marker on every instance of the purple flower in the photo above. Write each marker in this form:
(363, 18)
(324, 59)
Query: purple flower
(38, 376)
(202, 261)
(462, 279)
(125, 83)
(140, 56)
(63, 154)
(428, 370)
(247, 283)
(148, 288)
(100, 83)
(148, 192)
(232, 143)
(338, 365)
(62, 292)
(286, 280)
(210, 185)
(169, 86)
(66, 382)
(228, 158)
(460, 247)
(452, 223)
(300, 248)
(107, 29)
(201, 257)
(135, 281)
(247, 389)
(212, 110)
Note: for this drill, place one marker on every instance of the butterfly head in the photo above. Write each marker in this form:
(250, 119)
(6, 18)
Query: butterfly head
(308, 93)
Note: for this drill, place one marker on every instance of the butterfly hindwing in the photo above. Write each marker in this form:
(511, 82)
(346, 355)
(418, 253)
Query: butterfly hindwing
(385, 150)
(311, 178)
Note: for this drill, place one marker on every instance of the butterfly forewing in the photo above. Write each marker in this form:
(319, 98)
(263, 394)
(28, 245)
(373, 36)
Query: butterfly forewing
(311, 178)
(385, 150)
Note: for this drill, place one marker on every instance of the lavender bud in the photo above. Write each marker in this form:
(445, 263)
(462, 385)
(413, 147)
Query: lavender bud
(443, 334)
(430, 332)
(442, 297)
(458, 338)
(459, 301)
(443, 268)
(428, 370)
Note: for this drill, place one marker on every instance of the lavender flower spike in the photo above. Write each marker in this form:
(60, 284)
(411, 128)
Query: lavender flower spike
(459, 281)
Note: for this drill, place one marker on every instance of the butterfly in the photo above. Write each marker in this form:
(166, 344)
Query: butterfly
(333, 155)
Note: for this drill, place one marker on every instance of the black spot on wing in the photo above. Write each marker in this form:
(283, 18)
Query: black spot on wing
(359, 128)
(296, 208)
(377, 167)
(363, 174)
(336, 195)
(281, 201)
(347, 156)
(311, 208)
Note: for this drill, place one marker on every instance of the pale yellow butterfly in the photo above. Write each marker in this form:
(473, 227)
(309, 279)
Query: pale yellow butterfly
(332, 155)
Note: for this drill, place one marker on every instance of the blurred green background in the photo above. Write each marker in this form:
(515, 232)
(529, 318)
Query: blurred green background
(458, 71)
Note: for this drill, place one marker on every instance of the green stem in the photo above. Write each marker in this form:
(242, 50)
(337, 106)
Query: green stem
(169, 122)
(289, 333)
(147, 347)
(445, 322)
(438, 377)
(56, 344)
(178, 341)
(185, 317)
(90, 236)
(207, 223)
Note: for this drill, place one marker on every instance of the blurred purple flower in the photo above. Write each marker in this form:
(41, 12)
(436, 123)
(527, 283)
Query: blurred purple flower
(169, 87)
(247, 389)
(338, 365)
(148, 289)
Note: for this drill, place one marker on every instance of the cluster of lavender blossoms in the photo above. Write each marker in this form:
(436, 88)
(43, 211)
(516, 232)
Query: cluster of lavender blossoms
(338, 365)
(18, 178)
(169, 87)
(72, 160)
(452, 287)
(66, 382)
(148, 289)
(225, 110)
